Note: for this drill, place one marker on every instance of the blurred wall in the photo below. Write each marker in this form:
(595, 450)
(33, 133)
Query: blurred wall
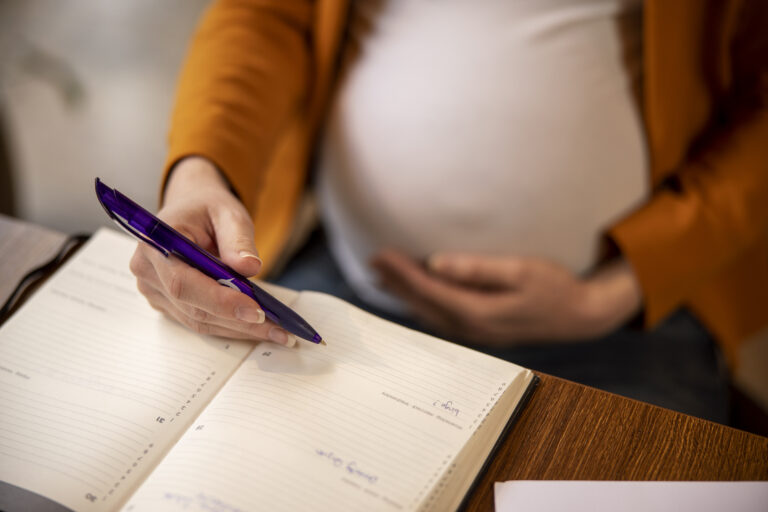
(87, 88)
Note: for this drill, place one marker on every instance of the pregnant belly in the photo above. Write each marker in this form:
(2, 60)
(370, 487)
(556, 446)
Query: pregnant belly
(522, 142)
(540, 189)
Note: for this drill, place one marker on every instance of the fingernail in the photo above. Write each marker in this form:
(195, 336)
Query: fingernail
(250, 314)
(282, 337)
(248, 254)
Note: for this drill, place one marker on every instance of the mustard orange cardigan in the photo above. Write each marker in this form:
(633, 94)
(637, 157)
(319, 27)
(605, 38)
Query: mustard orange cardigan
(259, 72)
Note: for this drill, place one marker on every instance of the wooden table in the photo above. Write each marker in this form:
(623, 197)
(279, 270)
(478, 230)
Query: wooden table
(567, 431)
(572, 432)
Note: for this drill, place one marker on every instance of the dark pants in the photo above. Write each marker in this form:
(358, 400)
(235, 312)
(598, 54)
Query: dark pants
(676, 365)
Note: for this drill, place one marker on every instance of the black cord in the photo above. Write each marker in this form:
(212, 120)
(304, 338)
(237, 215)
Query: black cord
(38, 274)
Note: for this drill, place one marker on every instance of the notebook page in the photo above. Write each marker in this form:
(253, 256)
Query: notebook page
(95, 385)
(461, 473)
(370, 421)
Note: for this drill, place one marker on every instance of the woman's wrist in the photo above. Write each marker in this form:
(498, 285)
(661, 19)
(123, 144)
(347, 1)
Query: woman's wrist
(613, 295)
(193, 172)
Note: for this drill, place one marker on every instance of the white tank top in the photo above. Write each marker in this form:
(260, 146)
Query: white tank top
(491, 126)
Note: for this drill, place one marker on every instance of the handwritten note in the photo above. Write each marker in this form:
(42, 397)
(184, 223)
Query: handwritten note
(350, 466)
(447, 406)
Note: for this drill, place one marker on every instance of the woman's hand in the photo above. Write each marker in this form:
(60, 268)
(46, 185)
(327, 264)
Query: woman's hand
(199, 204)
(507, 300)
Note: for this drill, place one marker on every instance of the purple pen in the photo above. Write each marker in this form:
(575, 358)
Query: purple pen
(148, 228)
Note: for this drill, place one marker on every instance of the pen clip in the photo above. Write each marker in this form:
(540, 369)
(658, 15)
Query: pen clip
(113, 201)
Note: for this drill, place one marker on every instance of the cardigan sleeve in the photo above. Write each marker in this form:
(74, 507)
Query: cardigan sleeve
(245, 74)
(715, 206)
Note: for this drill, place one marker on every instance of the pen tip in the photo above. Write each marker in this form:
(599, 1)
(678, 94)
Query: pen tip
(322, 342)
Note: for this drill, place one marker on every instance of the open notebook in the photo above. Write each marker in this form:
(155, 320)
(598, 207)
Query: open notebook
(107, 405)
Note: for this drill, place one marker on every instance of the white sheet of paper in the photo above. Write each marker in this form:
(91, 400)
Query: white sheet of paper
(598, 496)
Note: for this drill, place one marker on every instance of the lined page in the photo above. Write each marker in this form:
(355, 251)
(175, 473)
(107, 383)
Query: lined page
(456, 481)
(371, 421)
(95, 385)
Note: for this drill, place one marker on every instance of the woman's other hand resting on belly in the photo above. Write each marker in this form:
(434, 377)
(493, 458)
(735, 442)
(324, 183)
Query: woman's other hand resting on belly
(508, 300)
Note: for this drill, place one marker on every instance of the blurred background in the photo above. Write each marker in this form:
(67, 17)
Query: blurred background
(86, 89)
